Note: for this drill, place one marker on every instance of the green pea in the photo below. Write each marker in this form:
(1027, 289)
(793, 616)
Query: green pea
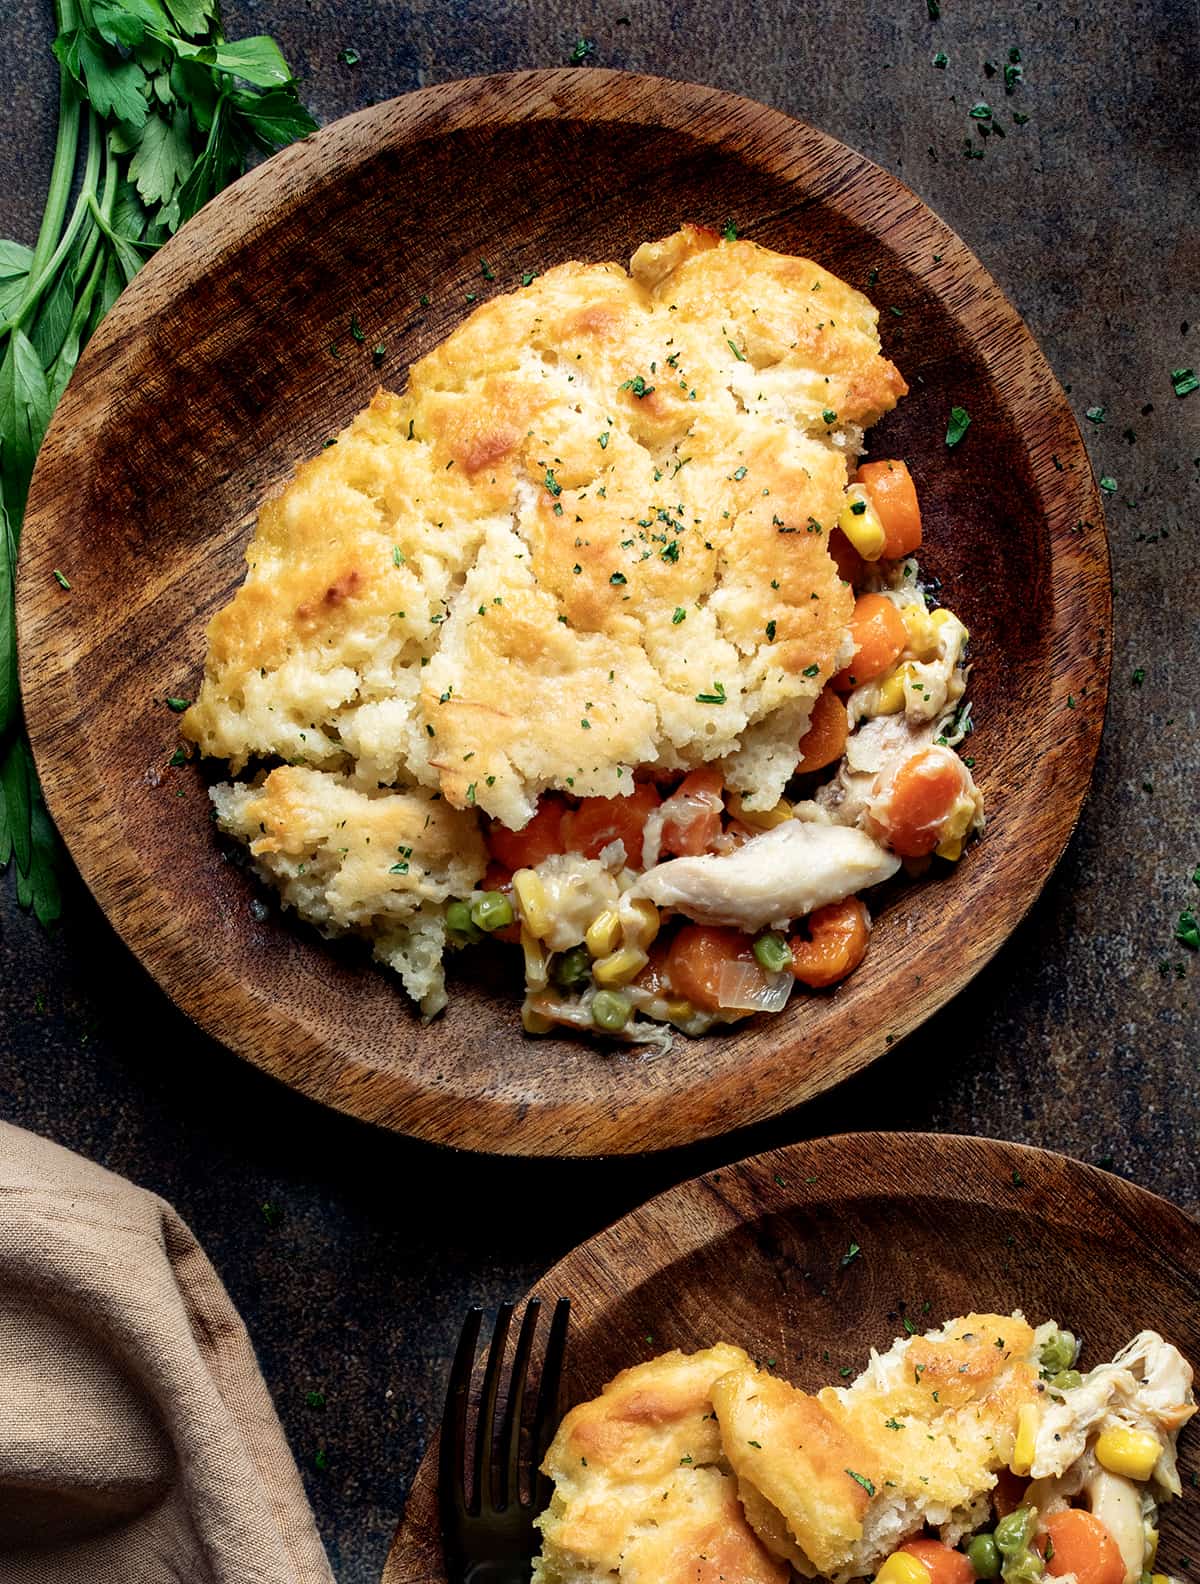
(1014, 1533)
(491, 911)
(984, 1556)
(772, 952)
(1058, 1351)
(458, 922)
(611, 1010)
(1067, 1380)
(573, 967)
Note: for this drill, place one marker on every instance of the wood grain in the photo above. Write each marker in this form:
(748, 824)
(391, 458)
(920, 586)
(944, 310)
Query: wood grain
(230, 359)
(754, 1254)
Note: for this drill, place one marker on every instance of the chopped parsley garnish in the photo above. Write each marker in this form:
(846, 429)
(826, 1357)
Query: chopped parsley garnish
(528, 278)
(771, 632)
(980, 111)
(739, 474)
(960, 420)
(892, 1424)
(811, 670)
(61, 579)
(552, 483)
(861, 1479)
(602, 441)
(829, 417)
(1187, 931)
(399, 868)
(179, 705)
(583, 48)
(356, 330)
(1184, 381)
(858, 507)
(1108, 485)
(638, 386)
(851, 1253)
(1138, 677)
(618, 577)
(1096, 414)
(349, 57)
(729, 231)
(941, 60)
(736, 350)
(717, 696)
(680, 615)
(486, 270)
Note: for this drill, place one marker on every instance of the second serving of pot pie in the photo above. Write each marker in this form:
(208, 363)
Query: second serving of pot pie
(976, 1451)
(598, 640)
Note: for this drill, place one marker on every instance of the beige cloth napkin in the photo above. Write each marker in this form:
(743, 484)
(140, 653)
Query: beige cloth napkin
(138, 1444)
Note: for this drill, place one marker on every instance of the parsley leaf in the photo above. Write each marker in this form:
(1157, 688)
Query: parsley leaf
(960, 420)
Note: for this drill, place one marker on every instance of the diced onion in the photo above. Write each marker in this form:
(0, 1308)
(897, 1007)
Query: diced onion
(745, 987)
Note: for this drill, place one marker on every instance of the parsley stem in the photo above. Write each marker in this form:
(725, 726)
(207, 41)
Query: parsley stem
(62, 175)
(37, 286)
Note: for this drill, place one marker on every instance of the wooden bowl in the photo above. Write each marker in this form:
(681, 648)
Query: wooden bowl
(231, 358)
(756, 1254)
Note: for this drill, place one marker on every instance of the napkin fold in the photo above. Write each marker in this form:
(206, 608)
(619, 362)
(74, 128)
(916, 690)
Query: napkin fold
(138, 1444)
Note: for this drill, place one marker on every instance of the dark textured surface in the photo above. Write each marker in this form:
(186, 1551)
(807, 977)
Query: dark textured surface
(1082, 1035)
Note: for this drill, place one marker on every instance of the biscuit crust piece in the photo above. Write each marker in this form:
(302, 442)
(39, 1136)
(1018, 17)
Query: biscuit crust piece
(642, 1493)
(590, 536)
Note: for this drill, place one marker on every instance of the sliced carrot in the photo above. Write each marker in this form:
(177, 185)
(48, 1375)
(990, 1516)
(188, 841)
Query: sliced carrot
(1082, 1545)
(879, 635)
(912, 810)
(696, 957)
(693, 813)
(598, 821)
(526, 848)
(894, 497)
(836, 944)
(851, 566)
(825, 740)
(943, 1565)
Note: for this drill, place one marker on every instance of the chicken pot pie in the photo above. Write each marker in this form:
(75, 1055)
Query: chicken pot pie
(598, 641)
(978, 1450)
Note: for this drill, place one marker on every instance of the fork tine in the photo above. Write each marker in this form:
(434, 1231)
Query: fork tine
(485, 1492)
(452, 1461)
(510, 1435)
(549, 1402)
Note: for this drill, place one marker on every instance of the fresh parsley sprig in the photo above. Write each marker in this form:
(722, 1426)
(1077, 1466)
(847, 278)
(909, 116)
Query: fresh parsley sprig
(157, 112)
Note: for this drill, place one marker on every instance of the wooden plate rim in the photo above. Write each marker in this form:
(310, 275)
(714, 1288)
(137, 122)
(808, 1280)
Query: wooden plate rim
(231, 1009)
(987, 1172)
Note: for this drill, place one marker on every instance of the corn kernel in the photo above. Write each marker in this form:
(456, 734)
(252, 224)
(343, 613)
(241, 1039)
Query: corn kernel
(533, 1022)
(890, 694)
(531, 898)
(679, 1011)
(1026, 1442)
(1133, 1453)
(537, 964)
(941, 616)
(955, 828)
(862, 527)
(760, 819)
(903, 1568)
(620, 967)
(922, 634)
(603, 933)
(1159, 1578)
(640, 921)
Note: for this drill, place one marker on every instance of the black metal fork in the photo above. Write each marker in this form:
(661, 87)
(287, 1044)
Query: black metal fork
(488, 1537)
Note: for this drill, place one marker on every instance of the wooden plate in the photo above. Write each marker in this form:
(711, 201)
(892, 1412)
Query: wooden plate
(231, 358)
(756, 1254)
